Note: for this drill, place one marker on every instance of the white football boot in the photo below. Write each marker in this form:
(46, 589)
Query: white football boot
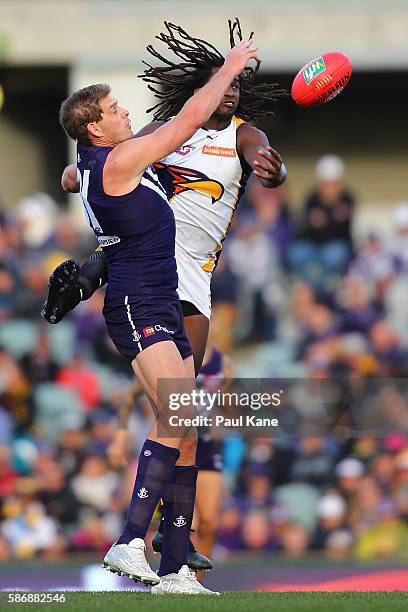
(184, 582)
(129, 560)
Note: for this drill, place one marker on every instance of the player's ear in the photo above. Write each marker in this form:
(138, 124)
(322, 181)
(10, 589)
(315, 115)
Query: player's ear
(94, 129)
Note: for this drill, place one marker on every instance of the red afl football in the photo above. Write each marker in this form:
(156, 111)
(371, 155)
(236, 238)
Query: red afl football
(321, 79)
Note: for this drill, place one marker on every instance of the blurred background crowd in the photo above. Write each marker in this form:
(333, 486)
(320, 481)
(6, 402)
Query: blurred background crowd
(295, 295)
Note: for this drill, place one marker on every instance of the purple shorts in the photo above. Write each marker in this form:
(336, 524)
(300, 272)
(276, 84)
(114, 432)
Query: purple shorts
(145, 320)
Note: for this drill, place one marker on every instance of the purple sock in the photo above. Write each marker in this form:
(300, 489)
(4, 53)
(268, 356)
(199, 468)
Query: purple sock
(155, 469)
(178, 508)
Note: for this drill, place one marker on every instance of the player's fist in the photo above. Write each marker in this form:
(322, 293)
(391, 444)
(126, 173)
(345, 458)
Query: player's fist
(239, 55)
(267, 164)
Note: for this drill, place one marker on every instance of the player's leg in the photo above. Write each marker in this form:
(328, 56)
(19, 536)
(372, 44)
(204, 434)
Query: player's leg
(178, 506)
(69, 284)
(179, 494)
(207, 508)
(195, 560)
(178, 503)
(178, 509)
(197, 326)
(156, 463)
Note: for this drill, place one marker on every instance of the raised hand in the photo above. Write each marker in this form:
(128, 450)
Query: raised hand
(240, 55)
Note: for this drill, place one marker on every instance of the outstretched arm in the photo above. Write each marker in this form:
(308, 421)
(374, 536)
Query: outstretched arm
(265, 162)
(128, 160)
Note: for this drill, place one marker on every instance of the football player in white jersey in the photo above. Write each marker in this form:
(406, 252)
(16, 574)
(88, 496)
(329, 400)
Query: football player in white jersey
(204, 178)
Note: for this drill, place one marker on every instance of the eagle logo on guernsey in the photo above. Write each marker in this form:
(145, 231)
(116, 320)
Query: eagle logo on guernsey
(176, 180)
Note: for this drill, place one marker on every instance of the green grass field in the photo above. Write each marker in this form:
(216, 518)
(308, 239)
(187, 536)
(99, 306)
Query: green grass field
(392, 601)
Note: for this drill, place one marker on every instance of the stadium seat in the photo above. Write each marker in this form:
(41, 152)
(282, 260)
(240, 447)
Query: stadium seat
(52, 402)
(107, 378)
(18, 336)
(300, 500)
(62, 341)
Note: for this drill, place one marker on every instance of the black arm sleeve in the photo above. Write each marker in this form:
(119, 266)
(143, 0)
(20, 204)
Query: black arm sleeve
(93, 274)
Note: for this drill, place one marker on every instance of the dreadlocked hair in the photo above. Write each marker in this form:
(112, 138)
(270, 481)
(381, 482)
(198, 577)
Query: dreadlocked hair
(175, 82)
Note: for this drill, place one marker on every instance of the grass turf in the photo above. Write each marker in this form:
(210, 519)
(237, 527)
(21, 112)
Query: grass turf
(393, 601)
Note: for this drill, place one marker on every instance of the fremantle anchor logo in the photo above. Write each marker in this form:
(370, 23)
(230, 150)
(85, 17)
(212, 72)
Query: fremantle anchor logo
(180, 521)
(143, 493)
(136, 336)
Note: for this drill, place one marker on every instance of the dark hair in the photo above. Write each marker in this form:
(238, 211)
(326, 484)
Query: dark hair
(81, 108)
(174, 83)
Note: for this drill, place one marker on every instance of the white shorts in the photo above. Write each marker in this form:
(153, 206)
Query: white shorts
(194, 285)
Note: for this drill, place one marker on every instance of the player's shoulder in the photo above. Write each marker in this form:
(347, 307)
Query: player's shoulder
(246, 129)
(250, 135)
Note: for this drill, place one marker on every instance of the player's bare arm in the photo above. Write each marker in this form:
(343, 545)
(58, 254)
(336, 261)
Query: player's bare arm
(265, 162)
(128, 160)
(149, 128)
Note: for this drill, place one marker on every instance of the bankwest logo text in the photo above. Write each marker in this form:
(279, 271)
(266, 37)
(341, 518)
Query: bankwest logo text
(219, 151)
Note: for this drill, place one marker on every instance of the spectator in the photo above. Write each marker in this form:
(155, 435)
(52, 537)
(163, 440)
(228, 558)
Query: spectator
(365, 505)
(388, 538)
(324, 246)
(224, 290)
(319, 327)
(374, 264)
(57, 497)
(89, 321)
(339, 544)
(359, 309)
(71, 444)
(228, 536)
(91, 535)
(78, 376)
(349, 473)
(39, 364)
(30, 532)
(8, 476)
(271, 210)
(278, 492)
(399, 244)
(255, 262)
(313, 463)
(255, 531)
(388, 350)
(94, 484)
(294, 540)
(331, 512)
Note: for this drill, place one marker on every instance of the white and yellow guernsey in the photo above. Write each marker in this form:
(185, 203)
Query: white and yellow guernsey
(204, 180)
